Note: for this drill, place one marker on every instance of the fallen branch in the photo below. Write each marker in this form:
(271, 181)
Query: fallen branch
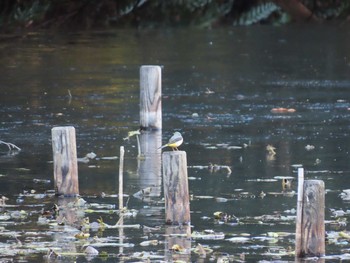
(11, 146)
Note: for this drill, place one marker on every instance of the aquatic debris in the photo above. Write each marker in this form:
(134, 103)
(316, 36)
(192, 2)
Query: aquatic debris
(109, 158)
(208, 234)
(345, 195)
(10, 146)
(132, 133)
(239, 239)
(309, 147)
(270, 149)
(204, 197)
(153, 242)
(317, 161)
(221, 199)
(262, 194)
(345, 235)
(79, 202)
(82, 235)
(91, 252)
(282, 110)
(3, 200)
(286, 183)
(202, 250)
(213, 168)
(143, 192)
(208, 91)
(87, 157)
(136, 133)
(222, 216)
(41, 181)
(278, 251)
(177, 248)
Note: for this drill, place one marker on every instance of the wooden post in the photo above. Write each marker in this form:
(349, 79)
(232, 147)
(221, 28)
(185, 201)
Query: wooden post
(299, 210)
(65, 161)
(121, 168)
(150, 98)
(310, 234)
(176, 194)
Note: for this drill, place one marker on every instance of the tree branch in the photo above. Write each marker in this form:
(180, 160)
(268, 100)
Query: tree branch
(11, 146)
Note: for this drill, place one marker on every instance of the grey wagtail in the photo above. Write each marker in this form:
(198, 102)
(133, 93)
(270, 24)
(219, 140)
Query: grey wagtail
(174, 142)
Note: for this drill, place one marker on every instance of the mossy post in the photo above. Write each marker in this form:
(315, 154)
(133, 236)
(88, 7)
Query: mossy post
(150, 98)
(176, 194)
(65, 161)
(310, 228)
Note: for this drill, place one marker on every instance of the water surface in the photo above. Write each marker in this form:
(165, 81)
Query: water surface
(219, 87)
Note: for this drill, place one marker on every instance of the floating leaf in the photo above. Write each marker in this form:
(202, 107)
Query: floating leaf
(91, 251)
(82, 235)
(153, 242)
(238, 239)
(208, 235)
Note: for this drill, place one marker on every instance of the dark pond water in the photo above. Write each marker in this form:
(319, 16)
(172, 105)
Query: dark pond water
(219, 89)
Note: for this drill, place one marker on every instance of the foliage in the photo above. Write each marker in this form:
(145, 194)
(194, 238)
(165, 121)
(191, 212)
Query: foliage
(257, 14)
(152, 13)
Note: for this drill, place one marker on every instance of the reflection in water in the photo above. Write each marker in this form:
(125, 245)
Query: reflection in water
(90, 80)
(149, 167)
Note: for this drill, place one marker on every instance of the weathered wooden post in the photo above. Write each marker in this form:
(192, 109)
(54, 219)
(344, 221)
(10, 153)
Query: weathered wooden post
(176, 194)
(65, 161)
(149, 165)
(121, 180)
(310, 228)
(150, 98)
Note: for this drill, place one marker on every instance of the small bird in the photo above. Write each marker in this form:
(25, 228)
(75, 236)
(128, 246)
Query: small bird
(175, 141)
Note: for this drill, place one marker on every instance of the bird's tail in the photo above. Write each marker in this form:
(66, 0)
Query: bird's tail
(163, 146)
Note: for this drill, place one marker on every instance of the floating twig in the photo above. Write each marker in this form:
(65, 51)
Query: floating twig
(213, 168)
(11, 146)
(135, 133)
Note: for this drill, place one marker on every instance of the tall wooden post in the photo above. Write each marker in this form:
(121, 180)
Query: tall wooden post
(121, 179)
(176, 194)
(150, 98)
(310, 231)
(65, 161)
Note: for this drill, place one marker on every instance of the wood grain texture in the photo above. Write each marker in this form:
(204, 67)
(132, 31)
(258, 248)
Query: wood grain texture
(312, 225)
(298, 233)
(150, 97)
(65, 161)
(176, 193)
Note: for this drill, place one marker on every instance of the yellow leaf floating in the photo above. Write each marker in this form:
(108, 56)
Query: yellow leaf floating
(218, 214)
(82, 235)
(177, 248)
(344, 235)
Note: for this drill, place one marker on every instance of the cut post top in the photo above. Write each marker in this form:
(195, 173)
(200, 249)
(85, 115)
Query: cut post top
(62, 128)
(174, 153)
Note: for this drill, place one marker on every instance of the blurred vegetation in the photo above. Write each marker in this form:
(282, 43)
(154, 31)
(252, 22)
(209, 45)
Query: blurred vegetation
(21, 14)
